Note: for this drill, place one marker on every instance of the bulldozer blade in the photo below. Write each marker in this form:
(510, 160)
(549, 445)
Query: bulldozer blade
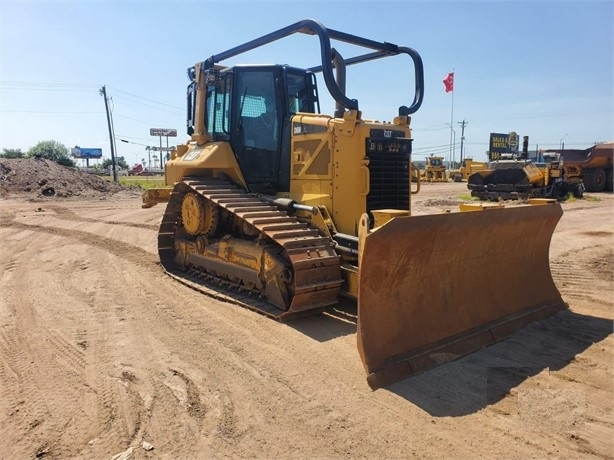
(436, 287)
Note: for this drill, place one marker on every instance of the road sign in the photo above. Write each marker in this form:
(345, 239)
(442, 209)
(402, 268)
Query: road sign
(163, 132)
(162, 149)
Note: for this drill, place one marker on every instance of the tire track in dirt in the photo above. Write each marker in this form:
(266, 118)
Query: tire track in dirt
(239, 350)
(189, 330)
(170, 427)
(265, 389)
(131, 253)
(207, 405)
(19, 370)
(256, 369)
(120, 415)
(16, 397)
(582, 280)
(108, 407)
(122, 393)
(68, 214)
(194, 406)
(262, 380)
(34, 362)
(38, 357)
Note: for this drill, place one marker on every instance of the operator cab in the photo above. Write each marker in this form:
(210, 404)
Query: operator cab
(251, 107)
(436, 162)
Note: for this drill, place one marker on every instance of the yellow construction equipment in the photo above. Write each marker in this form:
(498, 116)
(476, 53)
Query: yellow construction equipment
(518, 179)
(434, 170)
(593, 166)
(467, 168)
(283, 210)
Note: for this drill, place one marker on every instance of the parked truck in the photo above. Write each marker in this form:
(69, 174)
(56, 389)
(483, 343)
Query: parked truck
(593, 166)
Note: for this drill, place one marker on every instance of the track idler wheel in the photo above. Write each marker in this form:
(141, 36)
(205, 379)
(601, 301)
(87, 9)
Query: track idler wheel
(199, 216)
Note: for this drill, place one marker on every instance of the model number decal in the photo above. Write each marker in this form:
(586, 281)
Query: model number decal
(306, 128)
(193, 155)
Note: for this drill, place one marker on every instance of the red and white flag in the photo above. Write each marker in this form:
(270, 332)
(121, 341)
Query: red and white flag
(449, 82)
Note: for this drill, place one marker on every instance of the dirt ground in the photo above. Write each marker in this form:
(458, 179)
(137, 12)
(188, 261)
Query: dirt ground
(104, 356)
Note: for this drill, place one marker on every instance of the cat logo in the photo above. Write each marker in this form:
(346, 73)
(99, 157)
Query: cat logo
(387, 133)
(297, 129)
(512, 141)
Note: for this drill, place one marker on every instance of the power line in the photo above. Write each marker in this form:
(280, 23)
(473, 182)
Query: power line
(55, 90)
(29, 83)
(431, 147)
(79, 87)
(134, 137)
(147, 99)
(37, 86)
(549, 115)
(150, 106)
(134, 119)
(49, 111)
(430, 128)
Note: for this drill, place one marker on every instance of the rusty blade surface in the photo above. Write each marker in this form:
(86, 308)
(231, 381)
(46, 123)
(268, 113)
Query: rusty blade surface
(434, 288)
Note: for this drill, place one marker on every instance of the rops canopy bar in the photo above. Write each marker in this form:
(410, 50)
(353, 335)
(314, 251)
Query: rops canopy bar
(312, 27)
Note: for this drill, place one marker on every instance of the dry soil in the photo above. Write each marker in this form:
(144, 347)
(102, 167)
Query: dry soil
(104, 356)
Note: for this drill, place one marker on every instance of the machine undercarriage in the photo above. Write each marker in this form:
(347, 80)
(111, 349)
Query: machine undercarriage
(215, 231)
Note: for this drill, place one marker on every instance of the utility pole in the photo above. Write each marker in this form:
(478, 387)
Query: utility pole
(451, 162)
(103, 93)
(463, 124)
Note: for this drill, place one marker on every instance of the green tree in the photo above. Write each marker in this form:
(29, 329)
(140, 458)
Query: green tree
(12, 153)
(121, 163)
(52, 150)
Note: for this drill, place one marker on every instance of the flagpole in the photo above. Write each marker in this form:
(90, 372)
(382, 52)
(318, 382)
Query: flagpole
(452, 124)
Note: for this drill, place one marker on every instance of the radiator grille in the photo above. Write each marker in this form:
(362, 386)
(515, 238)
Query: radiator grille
(389, 173)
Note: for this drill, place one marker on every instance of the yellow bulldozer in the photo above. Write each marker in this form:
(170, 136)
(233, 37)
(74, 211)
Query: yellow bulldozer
(286, 210)
(434, 170)
(467, 168)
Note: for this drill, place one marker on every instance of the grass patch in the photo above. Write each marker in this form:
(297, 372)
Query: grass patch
(145, 182)
(468, 197)
(572, 199)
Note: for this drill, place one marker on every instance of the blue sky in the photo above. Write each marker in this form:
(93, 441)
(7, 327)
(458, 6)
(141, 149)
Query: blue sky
(544, 69)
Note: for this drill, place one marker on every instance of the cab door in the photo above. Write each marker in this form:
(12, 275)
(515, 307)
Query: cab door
(258, 125)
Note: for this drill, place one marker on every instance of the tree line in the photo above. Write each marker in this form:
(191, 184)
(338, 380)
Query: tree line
(53, 151)
(50, 150)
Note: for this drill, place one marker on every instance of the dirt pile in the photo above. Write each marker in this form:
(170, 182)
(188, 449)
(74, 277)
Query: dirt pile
(40, 178)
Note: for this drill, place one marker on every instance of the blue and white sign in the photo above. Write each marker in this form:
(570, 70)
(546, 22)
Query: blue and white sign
(83, 152)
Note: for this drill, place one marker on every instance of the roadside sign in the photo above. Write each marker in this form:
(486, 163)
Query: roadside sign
(512, 142)
(163, 132)
(83, 152)
(162, 149)
(498, 145)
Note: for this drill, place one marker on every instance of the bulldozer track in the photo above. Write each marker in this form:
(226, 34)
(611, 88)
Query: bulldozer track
(314, 262)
